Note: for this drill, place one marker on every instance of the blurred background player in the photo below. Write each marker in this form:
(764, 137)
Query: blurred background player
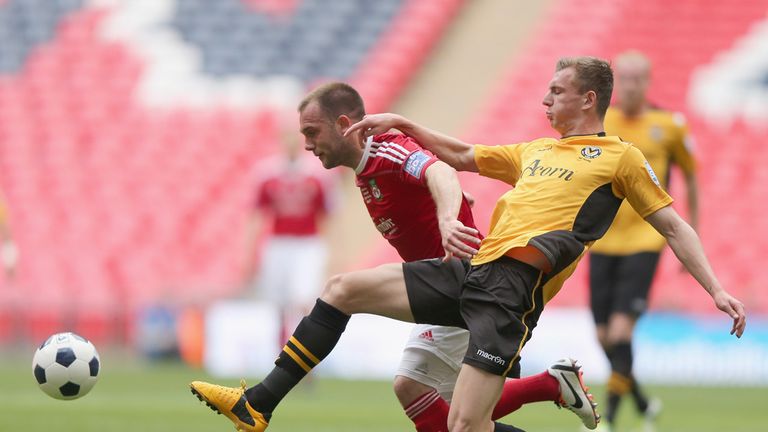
(624, 261)
(8, 251)
(290, 205)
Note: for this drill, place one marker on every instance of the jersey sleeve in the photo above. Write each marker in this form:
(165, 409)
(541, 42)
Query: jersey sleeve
(636, 181)
(403, 154)
(499, 162)
(682, 146)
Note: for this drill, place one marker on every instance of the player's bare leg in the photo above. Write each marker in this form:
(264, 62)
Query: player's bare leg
(475, 396)
(378, 291)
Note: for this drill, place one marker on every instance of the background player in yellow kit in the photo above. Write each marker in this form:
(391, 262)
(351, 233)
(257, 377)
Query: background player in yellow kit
(624, 261)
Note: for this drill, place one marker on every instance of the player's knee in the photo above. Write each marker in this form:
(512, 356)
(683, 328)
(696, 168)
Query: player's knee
(338, 291)
(408, 390)
(618, 336)
(620, 328)
(459, 423)
(602, 337)
(464, 419)
(401, 386)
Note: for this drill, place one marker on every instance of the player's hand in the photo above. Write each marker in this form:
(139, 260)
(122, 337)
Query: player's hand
(375, 124)
(734, 308)
(459, 240)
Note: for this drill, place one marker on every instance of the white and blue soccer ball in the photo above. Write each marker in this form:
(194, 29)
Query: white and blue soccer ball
(66, 366)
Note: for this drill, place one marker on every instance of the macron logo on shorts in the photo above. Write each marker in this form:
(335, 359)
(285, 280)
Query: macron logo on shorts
(494, 358)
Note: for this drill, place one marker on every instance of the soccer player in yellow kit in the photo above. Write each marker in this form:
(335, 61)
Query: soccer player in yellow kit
(623, 262)
(565, 196)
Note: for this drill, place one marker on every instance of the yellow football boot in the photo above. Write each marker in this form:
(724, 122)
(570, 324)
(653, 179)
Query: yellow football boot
(231, 402)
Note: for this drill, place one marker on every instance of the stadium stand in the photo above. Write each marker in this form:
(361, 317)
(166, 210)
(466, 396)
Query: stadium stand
(117, 204)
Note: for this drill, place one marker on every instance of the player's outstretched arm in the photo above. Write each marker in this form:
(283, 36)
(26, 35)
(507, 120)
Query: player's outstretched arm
(687, 247)
(458, 240)
(692, 188)
(454, 152)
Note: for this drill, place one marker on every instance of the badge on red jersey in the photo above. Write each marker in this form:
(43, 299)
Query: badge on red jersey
(415, 164)
(375, 191)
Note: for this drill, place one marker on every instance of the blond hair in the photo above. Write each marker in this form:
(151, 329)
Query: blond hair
(593, 74)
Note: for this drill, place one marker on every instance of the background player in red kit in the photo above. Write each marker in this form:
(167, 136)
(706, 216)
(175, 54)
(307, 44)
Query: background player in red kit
(290, 206)
(416, 203)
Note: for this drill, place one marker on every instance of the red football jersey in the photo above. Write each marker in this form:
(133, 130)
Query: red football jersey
(391, 178)
(296, 197)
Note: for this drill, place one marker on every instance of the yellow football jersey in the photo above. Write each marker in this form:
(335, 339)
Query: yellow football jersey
(663, 138)
(566, 193)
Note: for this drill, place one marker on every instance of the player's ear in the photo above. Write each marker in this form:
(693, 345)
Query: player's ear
(590, 99)
(343, 123)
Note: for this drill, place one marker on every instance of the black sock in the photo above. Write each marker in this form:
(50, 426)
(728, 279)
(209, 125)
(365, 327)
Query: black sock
(622, 363)
(641, 401)
(498, 427)
(620, 381)
(621, 358)
(612, 407)
(314, 338)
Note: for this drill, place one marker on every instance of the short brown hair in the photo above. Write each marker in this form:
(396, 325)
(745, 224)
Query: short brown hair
(593, 74)
(335, 99)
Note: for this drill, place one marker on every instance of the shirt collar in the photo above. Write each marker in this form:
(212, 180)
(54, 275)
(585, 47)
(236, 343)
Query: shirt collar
(366, 154)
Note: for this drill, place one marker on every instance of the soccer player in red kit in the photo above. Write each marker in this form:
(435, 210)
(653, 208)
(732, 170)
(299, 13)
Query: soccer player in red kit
(290, 205)
(416, 202)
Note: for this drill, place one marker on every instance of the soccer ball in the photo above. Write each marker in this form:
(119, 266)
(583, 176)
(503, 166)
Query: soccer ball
(66, 366)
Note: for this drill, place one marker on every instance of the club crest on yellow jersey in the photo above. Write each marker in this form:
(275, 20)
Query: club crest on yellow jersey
(591, 152)
(656, 132)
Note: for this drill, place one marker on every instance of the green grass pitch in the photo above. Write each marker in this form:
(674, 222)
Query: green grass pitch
(136, 396)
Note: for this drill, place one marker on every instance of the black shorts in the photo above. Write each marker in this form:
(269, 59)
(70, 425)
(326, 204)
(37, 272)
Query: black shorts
(498, 302)
(620, 283)
(434, 288)
(501, 303)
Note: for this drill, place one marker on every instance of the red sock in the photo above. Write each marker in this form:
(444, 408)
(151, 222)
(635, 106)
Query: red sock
(429, 412)
(536, 388)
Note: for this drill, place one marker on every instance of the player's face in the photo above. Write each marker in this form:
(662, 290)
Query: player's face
(565, 104)
(632, 79)
(322, 136)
